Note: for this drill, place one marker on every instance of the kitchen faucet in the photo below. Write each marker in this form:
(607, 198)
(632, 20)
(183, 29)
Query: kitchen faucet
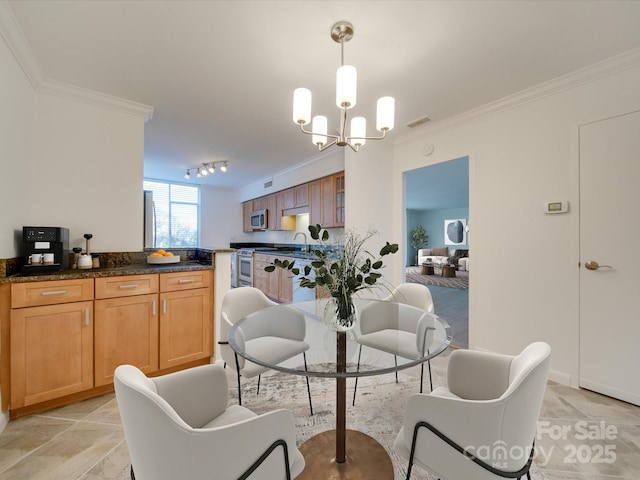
(305, 240)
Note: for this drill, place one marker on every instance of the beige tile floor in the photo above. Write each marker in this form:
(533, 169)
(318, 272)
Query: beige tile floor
(85, 441)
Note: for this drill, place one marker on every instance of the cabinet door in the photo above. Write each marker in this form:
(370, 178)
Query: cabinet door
(126, 332)
(339, 196)
(51, 352)
(288, 199)
(273, 216)
(259, 275)
(328, 202)
(286, 286)
(315, 202)
(301, 193)
(247, 208)
(273, 284)
(186, 320)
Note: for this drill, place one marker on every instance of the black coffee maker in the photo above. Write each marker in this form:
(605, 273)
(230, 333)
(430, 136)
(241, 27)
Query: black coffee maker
(46, 249)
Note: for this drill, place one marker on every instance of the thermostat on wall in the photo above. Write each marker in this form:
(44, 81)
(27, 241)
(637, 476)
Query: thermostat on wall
(556, 207)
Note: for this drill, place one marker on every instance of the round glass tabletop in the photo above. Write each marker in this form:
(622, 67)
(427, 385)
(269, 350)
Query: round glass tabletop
(321, 355)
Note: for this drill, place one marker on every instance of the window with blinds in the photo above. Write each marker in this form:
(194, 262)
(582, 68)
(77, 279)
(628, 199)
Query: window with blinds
(177, 213)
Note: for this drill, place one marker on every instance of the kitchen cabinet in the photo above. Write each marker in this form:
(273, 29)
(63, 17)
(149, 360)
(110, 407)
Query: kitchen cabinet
(315, 203)
(277, 285)
(273, 284)
(261, 203)
(66, 337)
(260, 277)
(326, 201)
(323, 199)
(274, 218)
(126, 330)
(285, 292)
(296, 197)
(247, 208)
(186, 313)
(339, 197)
(51, 338)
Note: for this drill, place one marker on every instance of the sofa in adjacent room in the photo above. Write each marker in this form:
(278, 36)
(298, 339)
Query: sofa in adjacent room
(444, 255)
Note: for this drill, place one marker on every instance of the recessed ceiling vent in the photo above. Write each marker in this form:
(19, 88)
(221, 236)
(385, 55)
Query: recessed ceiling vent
(418, 122)
(268, 184)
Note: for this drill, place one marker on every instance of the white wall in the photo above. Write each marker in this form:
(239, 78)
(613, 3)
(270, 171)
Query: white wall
(16, 117)
(524, 283)
(220, 216)
(86, 173)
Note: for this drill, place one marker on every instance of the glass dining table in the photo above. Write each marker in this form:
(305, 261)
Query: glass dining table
(344, 453)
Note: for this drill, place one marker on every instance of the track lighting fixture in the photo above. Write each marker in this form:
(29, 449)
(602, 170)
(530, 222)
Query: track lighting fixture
(207, 168)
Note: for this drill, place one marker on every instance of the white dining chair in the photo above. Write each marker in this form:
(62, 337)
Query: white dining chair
(277, 338)
(482, 426)
(180, 426)
(380, 328)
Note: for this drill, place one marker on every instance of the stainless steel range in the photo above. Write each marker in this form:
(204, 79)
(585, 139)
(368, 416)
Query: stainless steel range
(245, 267)
(244, 270)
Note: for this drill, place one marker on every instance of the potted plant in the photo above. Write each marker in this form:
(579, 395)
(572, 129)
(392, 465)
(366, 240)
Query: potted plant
(342, 272)
(419, 239)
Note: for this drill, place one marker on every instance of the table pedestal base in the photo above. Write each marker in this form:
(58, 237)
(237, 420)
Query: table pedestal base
(366, 458)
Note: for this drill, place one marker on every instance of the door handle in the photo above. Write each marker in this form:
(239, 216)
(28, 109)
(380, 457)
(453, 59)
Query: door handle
(593, 265)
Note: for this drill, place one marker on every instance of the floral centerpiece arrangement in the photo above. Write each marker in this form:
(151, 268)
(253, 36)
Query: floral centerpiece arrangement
(342, 272)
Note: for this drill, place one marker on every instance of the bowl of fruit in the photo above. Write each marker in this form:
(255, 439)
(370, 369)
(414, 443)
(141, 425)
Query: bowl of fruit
(162, 256)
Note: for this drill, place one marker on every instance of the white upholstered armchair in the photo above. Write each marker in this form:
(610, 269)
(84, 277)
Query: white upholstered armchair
(483, 426)
(178, 426)
(382, 329)
(278, 338)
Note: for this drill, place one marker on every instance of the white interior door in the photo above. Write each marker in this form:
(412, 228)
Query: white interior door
(609, 232)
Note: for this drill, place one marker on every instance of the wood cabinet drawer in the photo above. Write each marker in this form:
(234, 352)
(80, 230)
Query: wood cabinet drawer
(171, 282)
(124, 286)
(50, 293)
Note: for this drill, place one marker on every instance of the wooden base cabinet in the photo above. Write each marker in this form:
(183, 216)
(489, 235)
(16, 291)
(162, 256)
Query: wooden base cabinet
(51, 352)
(185, 326)
(65, 341)
(126, 332)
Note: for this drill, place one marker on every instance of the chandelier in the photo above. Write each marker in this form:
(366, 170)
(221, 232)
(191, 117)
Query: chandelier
(206, 169)
(346, 86)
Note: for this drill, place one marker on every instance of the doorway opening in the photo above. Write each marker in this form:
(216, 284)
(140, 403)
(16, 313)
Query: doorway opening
(436, 198)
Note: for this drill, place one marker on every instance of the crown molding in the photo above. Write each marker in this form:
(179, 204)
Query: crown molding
(618, 63)
(15, 39)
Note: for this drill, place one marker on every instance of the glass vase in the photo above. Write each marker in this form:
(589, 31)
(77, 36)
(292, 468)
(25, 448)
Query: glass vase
(340, 318)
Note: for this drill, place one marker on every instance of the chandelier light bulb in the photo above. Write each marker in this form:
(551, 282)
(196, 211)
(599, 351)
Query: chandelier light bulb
(224, 167)
(187, 175)
(358, 130)
(346, 86)
(319, 127)
(198, 174)
(212, 168)
(301, 106)
(385, 113)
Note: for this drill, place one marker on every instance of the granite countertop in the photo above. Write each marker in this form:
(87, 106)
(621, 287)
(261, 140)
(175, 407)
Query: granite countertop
(134, 269)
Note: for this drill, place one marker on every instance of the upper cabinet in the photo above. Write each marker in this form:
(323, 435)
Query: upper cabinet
(326, 201)
(296, 200)
(247, 208)
(323, 199)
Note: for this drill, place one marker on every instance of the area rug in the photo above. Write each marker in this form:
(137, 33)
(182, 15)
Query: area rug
(460, 281)
(379, 409)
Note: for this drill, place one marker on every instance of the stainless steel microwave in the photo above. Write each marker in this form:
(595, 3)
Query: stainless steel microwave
(259, 219)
